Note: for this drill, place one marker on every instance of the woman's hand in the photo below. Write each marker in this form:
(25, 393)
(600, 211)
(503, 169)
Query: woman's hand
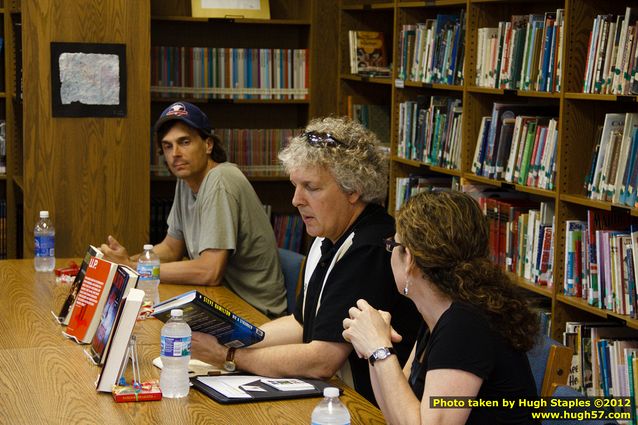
(368, 329)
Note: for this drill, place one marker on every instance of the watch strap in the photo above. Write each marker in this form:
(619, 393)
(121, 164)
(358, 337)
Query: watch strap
(230, 354)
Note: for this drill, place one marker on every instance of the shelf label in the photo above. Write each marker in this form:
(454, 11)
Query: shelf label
(399, 83)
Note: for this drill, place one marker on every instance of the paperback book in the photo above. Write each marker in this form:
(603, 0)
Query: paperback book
(205, 315)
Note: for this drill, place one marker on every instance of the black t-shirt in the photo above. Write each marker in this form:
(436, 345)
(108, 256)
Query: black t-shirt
(463, 339)
(363, 271)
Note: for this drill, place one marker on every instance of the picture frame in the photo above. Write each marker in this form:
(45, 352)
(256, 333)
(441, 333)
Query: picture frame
(237, 9)
(88, 80)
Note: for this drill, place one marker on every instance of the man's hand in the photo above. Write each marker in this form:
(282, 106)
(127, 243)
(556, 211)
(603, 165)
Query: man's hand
(115, 252)
(206, 348)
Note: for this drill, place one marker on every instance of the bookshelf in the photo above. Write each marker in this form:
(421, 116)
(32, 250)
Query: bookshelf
(578, 114)
(293, 25)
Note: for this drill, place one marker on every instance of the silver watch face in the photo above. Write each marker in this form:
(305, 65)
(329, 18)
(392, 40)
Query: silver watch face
(381, 353)
(229, 366)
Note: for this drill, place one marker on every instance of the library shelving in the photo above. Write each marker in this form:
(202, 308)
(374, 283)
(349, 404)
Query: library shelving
(578, 114)
(242, 99)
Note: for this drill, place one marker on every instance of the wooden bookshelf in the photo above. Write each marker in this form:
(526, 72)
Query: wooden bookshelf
(579, 113)
(293, 25)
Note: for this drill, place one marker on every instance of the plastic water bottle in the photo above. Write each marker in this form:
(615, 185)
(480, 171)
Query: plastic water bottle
(175, 353)
(148, 267)
(330, 411)
(44, 258)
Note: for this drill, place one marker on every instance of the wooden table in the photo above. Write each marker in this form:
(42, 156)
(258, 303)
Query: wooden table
(47, 379)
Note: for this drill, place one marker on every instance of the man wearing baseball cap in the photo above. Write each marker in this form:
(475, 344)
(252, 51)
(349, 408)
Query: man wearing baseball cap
(217, 219)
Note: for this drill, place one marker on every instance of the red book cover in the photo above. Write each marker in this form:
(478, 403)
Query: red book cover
(150, 391)
(89, 302)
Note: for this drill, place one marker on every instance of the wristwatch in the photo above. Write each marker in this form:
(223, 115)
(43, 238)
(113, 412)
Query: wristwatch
(229, 364)
(380, 354)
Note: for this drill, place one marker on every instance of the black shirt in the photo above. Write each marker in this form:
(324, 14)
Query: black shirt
(463, 339)
(363, 271)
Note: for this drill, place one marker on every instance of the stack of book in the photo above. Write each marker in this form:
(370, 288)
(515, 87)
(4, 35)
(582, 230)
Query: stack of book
(430, 131)
(523, 53)
(518, 145)
(612, 57)
(229, 73)
(613, 173)
(433, 51)
(601, 258)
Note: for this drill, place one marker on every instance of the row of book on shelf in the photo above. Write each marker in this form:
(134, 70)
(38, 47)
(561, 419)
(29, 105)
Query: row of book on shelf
(521, 230)
(374, 117)
(433, 51)
(604, 361)
(103, 306)
(229, 73)
(253, 150)
(288, 228)
(430, 131)
(601, 257)
(613, 173)
(523, 53)
(368, 53)
(612, 56)
(518, 144)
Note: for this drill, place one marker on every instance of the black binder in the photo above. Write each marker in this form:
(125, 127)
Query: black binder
(268, 395)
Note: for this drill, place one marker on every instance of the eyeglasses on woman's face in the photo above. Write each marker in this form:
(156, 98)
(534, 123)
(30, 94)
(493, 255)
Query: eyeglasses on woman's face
(390, 243)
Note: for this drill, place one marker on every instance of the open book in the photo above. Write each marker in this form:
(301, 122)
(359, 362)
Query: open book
(204, 315)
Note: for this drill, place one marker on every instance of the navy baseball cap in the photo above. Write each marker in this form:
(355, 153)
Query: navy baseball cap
(187, 113)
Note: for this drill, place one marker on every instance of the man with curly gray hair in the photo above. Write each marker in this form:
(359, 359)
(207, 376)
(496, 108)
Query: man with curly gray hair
(340, 179)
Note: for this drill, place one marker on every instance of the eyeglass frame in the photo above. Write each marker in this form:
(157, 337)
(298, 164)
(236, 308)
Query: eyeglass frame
(316, 138)
(390, 243)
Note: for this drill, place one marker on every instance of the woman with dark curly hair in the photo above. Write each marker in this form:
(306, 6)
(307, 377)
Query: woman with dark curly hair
(477, 323)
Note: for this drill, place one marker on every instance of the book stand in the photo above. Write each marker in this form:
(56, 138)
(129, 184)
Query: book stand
(131, 353)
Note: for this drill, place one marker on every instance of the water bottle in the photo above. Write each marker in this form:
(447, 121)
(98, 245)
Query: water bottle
(148, 267)
(175, 353)
(330, 411)
(44, 259)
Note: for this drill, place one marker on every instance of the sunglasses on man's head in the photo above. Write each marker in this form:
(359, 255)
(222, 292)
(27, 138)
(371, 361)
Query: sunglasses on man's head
(315, 138)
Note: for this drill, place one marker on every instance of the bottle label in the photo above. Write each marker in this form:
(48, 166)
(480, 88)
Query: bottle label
(148, 271)
(176, 347)
(44, 246)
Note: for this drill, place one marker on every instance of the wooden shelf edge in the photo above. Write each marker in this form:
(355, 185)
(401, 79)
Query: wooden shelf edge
(593, 203)
(417, 84)
(257, 178)
(157, 99)
(434, 168)
(606, 314)
(367, 6)
(374, 80)
(431, 3)
(541, 94)
(481, 179)
(598, 97)
(529, 286)
(302, 22)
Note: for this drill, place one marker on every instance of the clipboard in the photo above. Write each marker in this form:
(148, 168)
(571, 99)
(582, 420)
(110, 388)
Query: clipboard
(268, 395)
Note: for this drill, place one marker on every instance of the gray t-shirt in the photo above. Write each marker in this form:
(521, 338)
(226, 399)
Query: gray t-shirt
(226, 213)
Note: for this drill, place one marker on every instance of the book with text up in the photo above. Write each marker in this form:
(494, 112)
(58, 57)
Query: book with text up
(205, 315)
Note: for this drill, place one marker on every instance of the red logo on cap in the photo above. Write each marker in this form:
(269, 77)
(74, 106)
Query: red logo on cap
(177, 109)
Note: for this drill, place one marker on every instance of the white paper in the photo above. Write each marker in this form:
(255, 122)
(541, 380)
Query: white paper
(231, 4)
(89, 78)
(229, 385)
